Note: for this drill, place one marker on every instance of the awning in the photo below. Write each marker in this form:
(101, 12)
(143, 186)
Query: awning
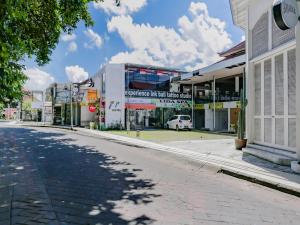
(224, 68)
(223, 65)
(140, 106)
(239, 12)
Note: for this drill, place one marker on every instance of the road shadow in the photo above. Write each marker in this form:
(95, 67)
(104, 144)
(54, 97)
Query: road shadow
(47, 172)
(265, 164)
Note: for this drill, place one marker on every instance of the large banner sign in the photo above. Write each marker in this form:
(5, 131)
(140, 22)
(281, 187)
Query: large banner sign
(171, 103)
(62, 97)
(160, 103)
(157, 94)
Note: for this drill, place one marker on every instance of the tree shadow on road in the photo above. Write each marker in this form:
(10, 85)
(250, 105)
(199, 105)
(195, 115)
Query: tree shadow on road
(80, 184)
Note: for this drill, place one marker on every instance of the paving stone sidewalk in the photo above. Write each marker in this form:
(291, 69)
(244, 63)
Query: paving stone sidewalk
(23, 196)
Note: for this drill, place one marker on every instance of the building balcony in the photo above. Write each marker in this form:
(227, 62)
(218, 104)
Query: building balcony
(220, 97)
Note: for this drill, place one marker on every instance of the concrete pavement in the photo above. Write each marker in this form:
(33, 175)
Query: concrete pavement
(51, 176)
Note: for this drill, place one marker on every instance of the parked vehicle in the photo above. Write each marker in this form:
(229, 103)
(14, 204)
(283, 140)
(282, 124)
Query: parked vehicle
(180, 122)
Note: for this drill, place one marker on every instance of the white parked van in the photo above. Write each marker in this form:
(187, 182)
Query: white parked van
(180, 122)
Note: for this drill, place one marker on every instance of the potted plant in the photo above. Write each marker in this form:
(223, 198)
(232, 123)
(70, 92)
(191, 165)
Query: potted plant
(241, 141)
(92, 125)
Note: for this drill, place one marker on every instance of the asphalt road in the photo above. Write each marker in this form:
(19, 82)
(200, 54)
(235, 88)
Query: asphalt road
(50, 176)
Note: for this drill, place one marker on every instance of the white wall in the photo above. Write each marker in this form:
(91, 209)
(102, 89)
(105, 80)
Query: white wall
(257, 9)
(86, 116)
(222, 119)
(209, 119)
(115, 95)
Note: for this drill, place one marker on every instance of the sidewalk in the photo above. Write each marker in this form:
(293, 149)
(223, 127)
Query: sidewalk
(276, 177)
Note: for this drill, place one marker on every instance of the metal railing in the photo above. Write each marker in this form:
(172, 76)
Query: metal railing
(220, 97)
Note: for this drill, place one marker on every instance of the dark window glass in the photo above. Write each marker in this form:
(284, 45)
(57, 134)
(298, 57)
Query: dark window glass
(185, 118)
(149, 81)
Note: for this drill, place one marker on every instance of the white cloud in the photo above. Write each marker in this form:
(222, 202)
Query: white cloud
(76, 73)
(95, 39)
(243, 38)
(37, 79)
(72, 47)
(68, 37)
(195, 44)
(126, 7)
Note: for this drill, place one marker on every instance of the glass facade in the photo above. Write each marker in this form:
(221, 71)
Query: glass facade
(139, 79)
(152, 87)
(157, 118)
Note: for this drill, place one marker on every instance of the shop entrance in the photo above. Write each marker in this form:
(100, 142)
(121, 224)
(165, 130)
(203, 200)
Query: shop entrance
(151, 118)
(57, 115)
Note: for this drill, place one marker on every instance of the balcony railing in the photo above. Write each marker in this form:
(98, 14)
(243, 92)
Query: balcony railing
(220, 97)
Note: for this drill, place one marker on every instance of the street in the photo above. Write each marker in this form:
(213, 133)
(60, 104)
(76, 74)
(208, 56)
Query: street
(51, 176)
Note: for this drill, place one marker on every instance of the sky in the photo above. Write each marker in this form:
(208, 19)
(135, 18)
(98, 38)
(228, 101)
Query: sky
(184, 34)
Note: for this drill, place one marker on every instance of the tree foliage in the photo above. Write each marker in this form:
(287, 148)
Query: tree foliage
(32, 28)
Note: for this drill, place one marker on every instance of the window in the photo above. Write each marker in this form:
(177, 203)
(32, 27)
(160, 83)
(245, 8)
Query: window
(260, 36)
(173, 118)
(185, 117)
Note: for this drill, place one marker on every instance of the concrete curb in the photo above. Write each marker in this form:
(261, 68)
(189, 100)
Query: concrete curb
(284, 182)
(45, 125)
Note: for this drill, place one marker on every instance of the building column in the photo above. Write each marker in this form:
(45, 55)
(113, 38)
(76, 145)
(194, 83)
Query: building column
(237, 84)
(214, 103)
(229, 118)
(298, 89)
(249, 86)
(296, 164)
(193, 109)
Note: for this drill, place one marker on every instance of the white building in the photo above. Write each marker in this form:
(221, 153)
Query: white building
(273, 114)
(217, 89)
(139, 96)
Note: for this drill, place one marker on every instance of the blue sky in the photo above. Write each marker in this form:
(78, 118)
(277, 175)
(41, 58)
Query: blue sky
(185, 34)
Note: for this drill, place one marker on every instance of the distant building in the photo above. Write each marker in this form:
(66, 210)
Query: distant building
(59, 95)
(32, 106)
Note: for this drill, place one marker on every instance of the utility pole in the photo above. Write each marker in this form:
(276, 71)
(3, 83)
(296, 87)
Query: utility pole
(71, 105)
(193, 109)
(214, 103)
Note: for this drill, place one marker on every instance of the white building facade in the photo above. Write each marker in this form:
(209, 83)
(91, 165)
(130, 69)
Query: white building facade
(272, 77)
(139, 96)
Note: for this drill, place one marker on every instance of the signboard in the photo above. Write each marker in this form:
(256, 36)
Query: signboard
(157, 94)
(138, 100)
(48, 104)
(115, 106)
(37, 105)
(219, 105)
(199, 106)
(286, 13)
(92, 108)
(160, 103)
(91, 95)
(75, 90)
(172, 103)
(62, 97)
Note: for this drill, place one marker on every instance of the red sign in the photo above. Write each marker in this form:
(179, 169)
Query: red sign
(92, 108)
